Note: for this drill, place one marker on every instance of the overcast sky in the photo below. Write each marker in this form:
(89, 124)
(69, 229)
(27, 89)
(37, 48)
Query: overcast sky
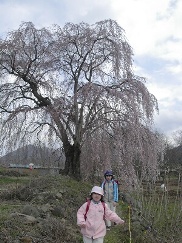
(152, 27)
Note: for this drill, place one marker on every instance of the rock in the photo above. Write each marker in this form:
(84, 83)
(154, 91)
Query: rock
(31, 210)
(26, 239)
(27, 218)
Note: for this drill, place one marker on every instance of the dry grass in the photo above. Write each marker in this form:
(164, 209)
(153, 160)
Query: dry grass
(155, 215)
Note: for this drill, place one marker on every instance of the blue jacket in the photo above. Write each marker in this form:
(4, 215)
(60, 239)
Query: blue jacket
(108, 189)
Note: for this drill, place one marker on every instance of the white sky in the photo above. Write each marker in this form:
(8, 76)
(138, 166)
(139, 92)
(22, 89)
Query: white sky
(153, 29)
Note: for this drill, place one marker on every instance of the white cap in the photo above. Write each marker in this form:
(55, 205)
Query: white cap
(98, 190)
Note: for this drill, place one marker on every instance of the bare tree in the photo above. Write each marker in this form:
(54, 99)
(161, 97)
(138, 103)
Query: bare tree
(72, 81)
(177, 137)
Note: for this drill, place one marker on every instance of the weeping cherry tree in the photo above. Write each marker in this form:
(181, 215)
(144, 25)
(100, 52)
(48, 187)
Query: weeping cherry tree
(74, 82)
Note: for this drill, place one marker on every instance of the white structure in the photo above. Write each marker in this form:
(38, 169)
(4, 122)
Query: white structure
(163, 188)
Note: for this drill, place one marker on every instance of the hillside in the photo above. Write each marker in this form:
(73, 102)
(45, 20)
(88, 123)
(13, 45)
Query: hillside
(40, 209)
(43, 210)
(43, 156)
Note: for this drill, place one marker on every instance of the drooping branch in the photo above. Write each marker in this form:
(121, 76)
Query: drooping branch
(78, 81)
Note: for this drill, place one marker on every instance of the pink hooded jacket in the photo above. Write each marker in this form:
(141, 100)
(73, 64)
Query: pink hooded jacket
(95, 225)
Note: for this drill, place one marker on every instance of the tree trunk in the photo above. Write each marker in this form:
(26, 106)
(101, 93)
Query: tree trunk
(72, 163)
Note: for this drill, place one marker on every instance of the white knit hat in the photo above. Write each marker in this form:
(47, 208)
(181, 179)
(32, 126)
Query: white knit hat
(98, 190)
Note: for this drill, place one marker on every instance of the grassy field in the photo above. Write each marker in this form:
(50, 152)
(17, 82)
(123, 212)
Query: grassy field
(151, 215)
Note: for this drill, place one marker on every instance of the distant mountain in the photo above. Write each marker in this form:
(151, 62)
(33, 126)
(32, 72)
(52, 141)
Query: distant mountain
(32, 154)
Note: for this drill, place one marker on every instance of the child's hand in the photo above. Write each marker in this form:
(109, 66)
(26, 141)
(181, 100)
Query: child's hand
(122, 222)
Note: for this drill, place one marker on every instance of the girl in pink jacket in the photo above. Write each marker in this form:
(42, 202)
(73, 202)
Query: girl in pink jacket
(91, 217)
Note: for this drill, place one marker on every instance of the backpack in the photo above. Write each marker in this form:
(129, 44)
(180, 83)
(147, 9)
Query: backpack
(87, 208)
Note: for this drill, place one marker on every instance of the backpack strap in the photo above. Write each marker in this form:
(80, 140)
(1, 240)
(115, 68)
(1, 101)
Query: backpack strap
(87, 208)
(104, 206)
